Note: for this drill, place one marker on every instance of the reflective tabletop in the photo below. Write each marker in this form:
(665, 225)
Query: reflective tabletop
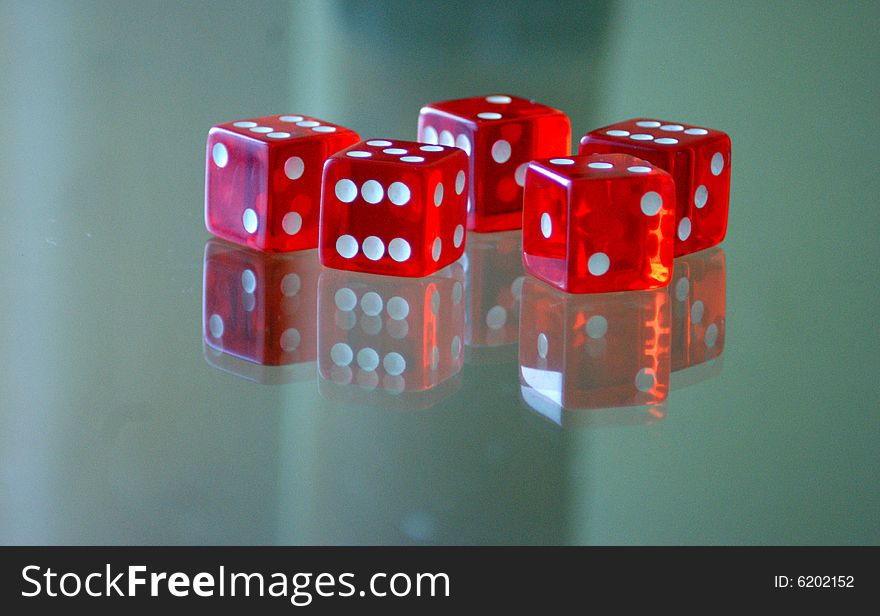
(160, 386)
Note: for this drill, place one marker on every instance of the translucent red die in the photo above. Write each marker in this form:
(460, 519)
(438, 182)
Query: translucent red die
(699, 302)
(697, 158)
(260, 307)
(501, 134)
(388, 334)
(395, 208)
(597, 351)
(595, 224)
(263, 180)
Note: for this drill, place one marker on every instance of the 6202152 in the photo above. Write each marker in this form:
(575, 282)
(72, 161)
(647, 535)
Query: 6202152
(826, 581)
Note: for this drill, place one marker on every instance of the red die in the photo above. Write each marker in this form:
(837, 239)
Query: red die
(593, 351)
(390, 333)
(501, 134)
(263, 180)
(393, 207)
(494, 289)
(260, 307)
(699, 161)
(699, 297)
(594, 224)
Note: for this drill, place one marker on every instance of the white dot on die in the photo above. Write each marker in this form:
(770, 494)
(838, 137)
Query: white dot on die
(489, 115)
(498, 99)
(438, 194)
(345, 299)
(399, 249)
(394, 151)
(543, 345)
(520, 174)
(684, 228)
(261, 129)
(501, 151)
(324, 129)
(308, 123)
(600, 166)
(289, 118)
(459, 182)
(292, 223)
(436, 249)
(372, 191)
(446, 138)
(639, 169)
(597, 326)
(294, 167)
(711, 335)
(435, 302)
(291, 284)
(394, 363)
(546, 225)
(697, 311)
(373, 247)
(346, 246)
(398, 308)
(674, 128)
(496, 317)
(701, 196)
(341, 354)
(371, 303)
(368, 359)
(346, 191)
(456, 346)
(641, 137)
(645, 379)
(379, 143)
(562, 161)
(215, 325)
(429, 135)
(290, 339)
(464, 143)
(648, 124)
(248, 281)
(245, 124)
(666, 141)
(717, 163)
(682, 288)
(220, 155)
(696, 131)
(278, 135)
(249, 220)
(431, 148)
(617, 133)
(412, 159)
(598, 263)
(399, 193)
(457, 291)
(359, 154)
(651, 203)
(516, 287)
(458, 236)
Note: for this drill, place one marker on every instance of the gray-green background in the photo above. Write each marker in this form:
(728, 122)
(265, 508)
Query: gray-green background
(114, 429)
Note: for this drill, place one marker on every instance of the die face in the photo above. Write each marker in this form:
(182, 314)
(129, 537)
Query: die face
(493, 291)
(697, 158)
(390, 335)
(394, 208)
(699, 297)
(599, 223)
(263, 180)
(500, 134)
(260, 307)
(593, 351)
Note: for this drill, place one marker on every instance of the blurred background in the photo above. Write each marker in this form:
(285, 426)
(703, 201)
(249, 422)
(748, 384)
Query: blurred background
(115, 429)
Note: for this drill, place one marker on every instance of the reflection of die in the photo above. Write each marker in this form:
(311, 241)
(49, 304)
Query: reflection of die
(263, 180)
(593, 351)
(501, 134)
(698, 160)
(699, 296)
(395, 208)
(494, 288)
(389, 333)
(260, 307)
